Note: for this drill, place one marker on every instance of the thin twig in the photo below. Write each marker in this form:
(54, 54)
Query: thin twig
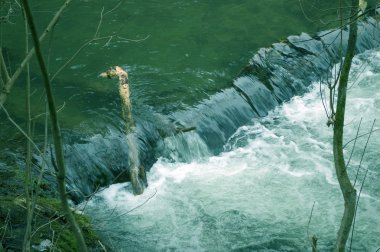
(6, 223)
(94, 38)
(360, 137)
(3, 66)
(365, 147)
(322, 99)
(74, 55)
(308, 224)
(304, 13)
(29, 197)
(103, 15)
(114, 8)
(47, 113)
(108, 42)
(362, 68)
(122, 214)
(44, 165)
(102, 246)
(129, 211)
(353, 147)
(47, 223)
(99, 24)
(133, 40)
(21, 130)
(360, 191)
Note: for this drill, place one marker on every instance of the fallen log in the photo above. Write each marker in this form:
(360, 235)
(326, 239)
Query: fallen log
(137, 171)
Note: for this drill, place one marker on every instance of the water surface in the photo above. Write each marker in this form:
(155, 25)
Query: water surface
(259, 192)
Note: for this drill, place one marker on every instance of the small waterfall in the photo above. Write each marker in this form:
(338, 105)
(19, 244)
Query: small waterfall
(257, 194)
(274, 75)
(184, 147)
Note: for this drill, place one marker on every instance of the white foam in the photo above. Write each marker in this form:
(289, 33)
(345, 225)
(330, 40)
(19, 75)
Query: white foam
(264, 183)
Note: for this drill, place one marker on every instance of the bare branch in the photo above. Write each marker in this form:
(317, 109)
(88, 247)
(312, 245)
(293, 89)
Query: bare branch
(304, 13)
(133, 40)
(94, 38)
(314, 238)
(353, 148)
(5, 227)
(46, 113)
(100, 23)
(21, 130)
(74, 56)
(362, 68)
(361, 188)
(29, 196)
(354, 18)
(146, 201)
(3, 66)
(103, 15)
(359, 137)
(114, 8)
(47, 223)
(308, 224)
(55, 131)
(102, 246)
(8, 85)
(365, 147)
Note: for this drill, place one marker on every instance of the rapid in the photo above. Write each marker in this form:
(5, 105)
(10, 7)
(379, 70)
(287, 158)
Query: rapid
(259, 192)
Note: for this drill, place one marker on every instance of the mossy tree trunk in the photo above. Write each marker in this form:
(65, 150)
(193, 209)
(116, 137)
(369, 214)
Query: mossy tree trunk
(348, 191)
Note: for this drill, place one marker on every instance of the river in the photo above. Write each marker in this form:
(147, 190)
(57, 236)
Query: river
(248, 177)
(257, 195)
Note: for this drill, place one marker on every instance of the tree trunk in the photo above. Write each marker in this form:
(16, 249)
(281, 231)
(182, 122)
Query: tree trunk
(81, 244)
(348, 191)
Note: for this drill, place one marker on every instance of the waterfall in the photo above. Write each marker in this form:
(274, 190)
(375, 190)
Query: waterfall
(258, 192)
(274, 75)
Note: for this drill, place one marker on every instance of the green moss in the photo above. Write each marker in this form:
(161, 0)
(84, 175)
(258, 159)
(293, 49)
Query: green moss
(48, 223)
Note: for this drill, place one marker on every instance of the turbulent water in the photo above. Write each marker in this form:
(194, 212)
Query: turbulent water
(220, 187)
(258, 194)
(178, 54)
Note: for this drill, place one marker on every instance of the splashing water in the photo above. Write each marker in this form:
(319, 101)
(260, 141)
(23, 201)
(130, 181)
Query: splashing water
(258, 193)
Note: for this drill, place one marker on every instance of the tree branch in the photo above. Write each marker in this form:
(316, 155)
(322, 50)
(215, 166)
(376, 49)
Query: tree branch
(55, 131)
(8, 85)
(348, 191)
(361, 188)
(29, 197)
(3, 67)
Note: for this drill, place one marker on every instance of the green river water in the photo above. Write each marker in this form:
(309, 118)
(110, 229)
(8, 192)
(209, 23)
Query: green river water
(254, 196)
(257, 195)
(177, 52)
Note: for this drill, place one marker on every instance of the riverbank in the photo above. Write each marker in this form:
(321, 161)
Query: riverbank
(50, 229)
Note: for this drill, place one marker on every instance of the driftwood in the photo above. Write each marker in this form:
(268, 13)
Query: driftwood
(124, 94)
(137, 171)
(179, 130)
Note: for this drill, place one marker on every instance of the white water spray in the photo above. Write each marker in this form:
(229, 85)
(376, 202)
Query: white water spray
(258, 193)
